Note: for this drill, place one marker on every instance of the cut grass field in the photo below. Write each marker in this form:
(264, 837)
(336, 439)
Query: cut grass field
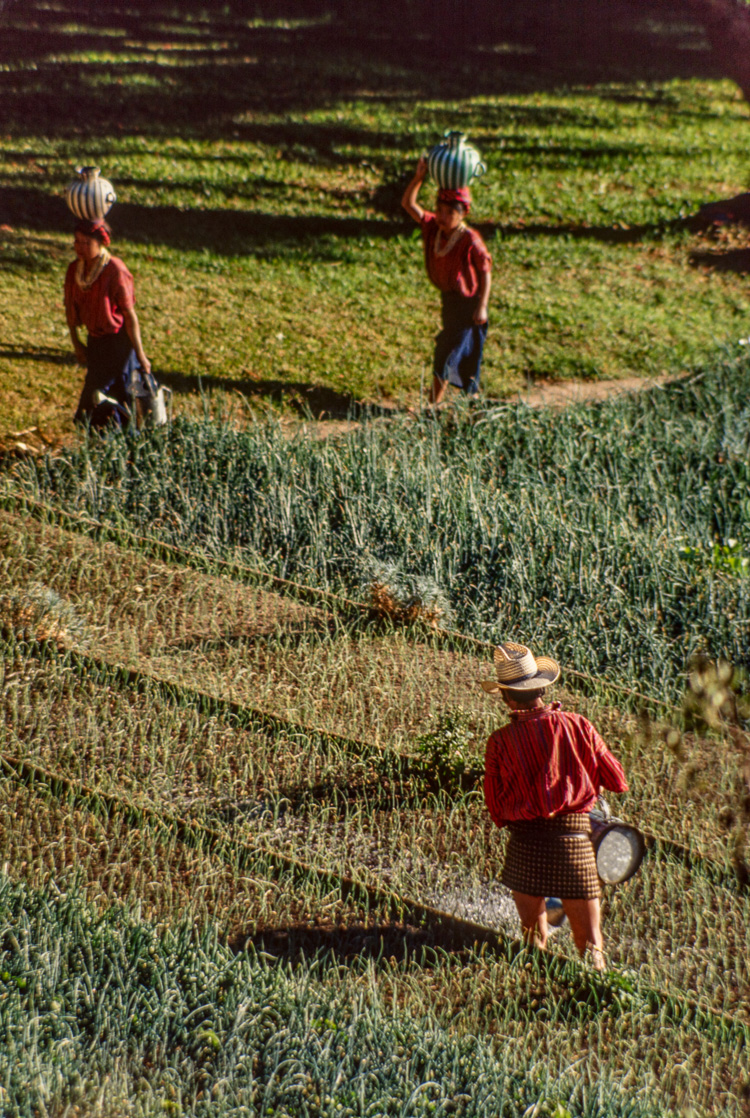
(259, 167)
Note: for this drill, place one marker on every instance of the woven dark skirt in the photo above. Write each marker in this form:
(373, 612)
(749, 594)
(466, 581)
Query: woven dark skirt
(110, 361)
(552, 858)
(460, 344)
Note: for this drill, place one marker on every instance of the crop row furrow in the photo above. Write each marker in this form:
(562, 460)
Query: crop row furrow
(398, 766)
(242, 856)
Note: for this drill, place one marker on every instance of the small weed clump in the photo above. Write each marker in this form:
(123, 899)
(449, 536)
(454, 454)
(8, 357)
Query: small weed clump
(39, 614)
(407, 599)
(448, 753)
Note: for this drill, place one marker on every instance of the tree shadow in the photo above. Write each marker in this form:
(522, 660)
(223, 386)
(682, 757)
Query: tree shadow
(230, 232)
(223, 232)
(734, 260)
(309, 401)
(43, 354)
(204, 72)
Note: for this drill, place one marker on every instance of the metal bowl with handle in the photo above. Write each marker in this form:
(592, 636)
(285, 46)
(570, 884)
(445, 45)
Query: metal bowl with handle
(619, 848)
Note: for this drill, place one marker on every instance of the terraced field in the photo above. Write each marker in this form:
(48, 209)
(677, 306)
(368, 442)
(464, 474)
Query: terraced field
(245, 865)
(254, 767)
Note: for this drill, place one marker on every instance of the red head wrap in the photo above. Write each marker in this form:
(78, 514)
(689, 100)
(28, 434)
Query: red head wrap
(96, 229)
(450, 197)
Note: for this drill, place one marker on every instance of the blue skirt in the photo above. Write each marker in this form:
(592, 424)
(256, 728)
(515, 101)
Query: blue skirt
(110, 361)
(460, 344)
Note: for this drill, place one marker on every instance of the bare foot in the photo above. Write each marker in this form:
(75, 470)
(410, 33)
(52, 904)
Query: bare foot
(596, 957)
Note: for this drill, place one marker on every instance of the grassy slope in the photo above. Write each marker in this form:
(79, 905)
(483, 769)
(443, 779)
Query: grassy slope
(259, 168)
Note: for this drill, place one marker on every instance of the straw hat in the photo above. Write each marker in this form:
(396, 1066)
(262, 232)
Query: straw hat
(518, 670)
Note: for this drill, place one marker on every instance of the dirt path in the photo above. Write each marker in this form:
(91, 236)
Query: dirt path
(560, 394)
(553, 394)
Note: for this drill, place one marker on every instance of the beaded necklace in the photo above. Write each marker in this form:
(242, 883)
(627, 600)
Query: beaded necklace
(100, 263)
(457, 232)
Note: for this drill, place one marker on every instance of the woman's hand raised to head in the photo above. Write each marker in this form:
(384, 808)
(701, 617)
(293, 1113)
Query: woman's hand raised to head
(409, 200)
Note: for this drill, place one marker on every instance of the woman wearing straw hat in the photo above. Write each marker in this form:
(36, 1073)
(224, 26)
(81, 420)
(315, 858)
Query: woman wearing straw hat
(99, 295)
(543, 773)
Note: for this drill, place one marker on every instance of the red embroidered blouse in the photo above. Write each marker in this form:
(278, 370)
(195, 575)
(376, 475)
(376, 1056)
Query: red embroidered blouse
(100, 308)
(460, 268)
(547, 762)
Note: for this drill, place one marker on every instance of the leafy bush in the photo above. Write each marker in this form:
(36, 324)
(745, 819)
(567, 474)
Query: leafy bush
(727, 556)
(449, 751)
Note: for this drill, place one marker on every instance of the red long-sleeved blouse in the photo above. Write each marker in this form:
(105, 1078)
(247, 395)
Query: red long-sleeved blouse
(458, 270)
(100, 307)
(547, 762)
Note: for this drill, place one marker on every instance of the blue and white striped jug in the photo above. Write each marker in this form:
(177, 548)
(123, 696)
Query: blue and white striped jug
(454, 163)
(88, 196)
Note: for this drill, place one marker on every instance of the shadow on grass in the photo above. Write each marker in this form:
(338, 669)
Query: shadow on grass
(223, 232)
(232, 232)
(45, 355)
(734, 260)
(311, 401)
(388, 942)
(314, 401)
(85, 70)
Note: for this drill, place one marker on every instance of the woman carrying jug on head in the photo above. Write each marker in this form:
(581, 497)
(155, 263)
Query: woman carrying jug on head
(460, 266)
(99, 295)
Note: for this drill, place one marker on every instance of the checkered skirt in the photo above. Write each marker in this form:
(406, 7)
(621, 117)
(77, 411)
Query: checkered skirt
(552, 858)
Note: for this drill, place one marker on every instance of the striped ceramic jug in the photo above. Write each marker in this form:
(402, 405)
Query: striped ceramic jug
(88, 196)
(454, 163)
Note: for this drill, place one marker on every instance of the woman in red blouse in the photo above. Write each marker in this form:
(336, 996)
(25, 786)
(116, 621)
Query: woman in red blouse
(99, 295)
(460, 266)
(543, 773)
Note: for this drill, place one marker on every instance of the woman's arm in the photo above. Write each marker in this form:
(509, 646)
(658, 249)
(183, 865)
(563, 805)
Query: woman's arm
(611, 772)
(72, 320)
(80, 349)
(134, 333)
(493, 783)
(485, 285)
(409, 200)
